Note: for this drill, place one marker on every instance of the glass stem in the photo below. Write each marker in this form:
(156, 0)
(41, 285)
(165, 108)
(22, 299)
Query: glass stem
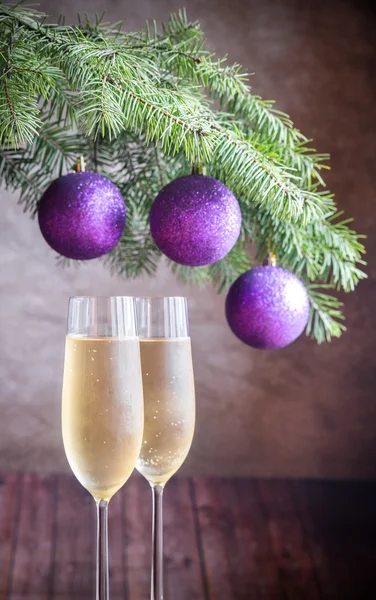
(157, 544)
(102, 588)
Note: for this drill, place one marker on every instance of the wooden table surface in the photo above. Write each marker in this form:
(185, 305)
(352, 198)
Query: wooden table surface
(225, 539)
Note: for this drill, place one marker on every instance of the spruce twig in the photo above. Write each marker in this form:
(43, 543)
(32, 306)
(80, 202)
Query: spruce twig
(142, 108)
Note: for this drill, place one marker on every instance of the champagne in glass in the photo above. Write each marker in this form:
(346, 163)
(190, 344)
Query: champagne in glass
(102, 408)
(169, 405)
(101, 427)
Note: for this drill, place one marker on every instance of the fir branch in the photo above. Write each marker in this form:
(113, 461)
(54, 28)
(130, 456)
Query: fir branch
(139, 106)
(197, 276)
(325, 316)
(112, 103)
(326, 251)
(259, 179)
(135, 254)
(54, 148)
(163, 116)
(224, 272)
(230, 85)
(17, 173)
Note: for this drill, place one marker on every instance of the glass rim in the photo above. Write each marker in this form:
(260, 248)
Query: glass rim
(160, 297)
(134, 297)
(98, 297)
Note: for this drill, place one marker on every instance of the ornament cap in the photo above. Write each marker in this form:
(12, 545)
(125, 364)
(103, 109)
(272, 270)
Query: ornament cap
(198, 169)
(271, 260)
(80, 165)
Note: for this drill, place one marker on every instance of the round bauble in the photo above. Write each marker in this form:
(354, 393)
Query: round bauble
(82, 215)
(267, 307)
(195, 220)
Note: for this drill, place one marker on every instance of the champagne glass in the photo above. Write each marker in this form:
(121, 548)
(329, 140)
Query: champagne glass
(102, 407)
(169, 405)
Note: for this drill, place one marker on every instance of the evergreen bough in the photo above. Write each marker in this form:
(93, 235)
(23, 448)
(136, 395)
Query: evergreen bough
(142, 108)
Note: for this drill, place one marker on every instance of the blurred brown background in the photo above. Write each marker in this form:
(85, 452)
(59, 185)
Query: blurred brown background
(304, 411)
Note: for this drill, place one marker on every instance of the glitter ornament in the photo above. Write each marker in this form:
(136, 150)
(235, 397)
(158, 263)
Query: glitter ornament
(82, 215)
(267, 307)
(195, 220)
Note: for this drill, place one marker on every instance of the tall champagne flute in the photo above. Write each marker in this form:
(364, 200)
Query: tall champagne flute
(169, 405)
(102, 407)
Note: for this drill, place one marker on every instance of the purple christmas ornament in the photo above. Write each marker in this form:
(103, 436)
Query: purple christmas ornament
(82, 215)
(267, 307)
(195, 220)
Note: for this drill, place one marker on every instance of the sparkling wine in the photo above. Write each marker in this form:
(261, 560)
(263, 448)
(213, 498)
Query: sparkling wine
(169, 404)
(102, 411)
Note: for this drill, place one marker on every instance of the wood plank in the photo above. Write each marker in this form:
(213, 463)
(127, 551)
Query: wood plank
(183, 578)
(256, 551)
(74, 560)
(182, 564)
(216, 519)
(31, 576)
(259, 540)
(137, 509)
(10, 503)
(236, 553)
(343, 518)
(295, 566)
(301, 492)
